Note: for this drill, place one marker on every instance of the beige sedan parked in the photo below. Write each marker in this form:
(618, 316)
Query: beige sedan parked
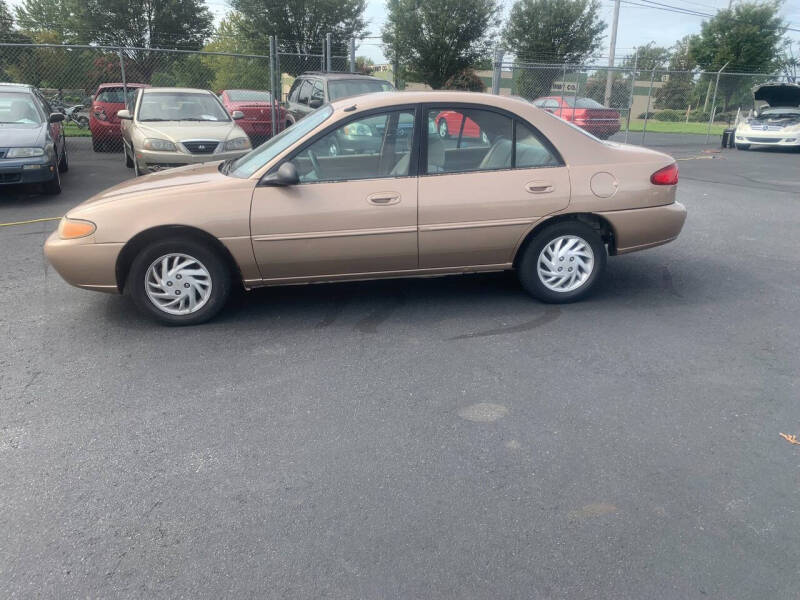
(171, 127)
(524, 190)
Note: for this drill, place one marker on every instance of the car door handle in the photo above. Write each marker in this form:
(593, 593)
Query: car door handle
(384, 198)
(538, 187)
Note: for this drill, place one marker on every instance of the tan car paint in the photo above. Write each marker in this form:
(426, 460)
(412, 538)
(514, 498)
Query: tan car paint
(327, 231)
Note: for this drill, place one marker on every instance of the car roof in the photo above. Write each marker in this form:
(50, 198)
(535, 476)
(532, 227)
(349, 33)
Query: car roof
(381, 99)
(15, 87)
(149, 90)
(120, 84)
(329, 75)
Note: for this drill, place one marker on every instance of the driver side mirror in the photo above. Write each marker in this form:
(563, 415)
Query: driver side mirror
(124, 114)
(315, 103)
(285, 175)
(56, 117)
(236, 115)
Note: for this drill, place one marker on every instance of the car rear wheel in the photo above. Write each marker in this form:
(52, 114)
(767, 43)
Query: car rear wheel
(562, 263)
(179, 282)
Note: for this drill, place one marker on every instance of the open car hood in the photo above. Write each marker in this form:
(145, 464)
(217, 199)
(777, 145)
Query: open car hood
(778, 94)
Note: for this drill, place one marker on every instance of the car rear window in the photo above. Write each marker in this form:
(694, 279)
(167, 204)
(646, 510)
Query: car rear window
(249, 96)
(344, 88)
(114, 95)
(582, 103)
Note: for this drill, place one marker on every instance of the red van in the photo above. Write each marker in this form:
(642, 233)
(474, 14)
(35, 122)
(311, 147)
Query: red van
(103, 121)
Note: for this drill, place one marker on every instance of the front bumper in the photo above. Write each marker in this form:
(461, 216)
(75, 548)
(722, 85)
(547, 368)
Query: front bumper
(151, 161)
(641, 228)
(768, 138)
(26, 170)
(83, 263)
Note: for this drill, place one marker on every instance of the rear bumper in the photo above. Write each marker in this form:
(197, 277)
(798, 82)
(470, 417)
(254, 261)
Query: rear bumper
(83, 263)
(642, 228)
(105, 129)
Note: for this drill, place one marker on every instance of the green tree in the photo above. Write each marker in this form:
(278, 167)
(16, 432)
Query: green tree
(435, 39)
(554, 32)
(54, 19)
(648, 57)
(748, 38)
(365, 65)
(231, 72)
(300, 27)
(677, 91)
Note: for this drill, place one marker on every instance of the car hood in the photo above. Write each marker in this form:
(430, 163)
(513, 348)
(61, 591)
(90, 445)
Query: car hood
(178, 131)
(196, 175)
(778, 94)
(13, 135)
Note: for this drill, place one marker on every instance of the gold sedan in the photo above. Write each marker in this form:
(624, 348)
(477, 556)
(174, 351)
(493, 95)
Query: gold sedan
(509, 186)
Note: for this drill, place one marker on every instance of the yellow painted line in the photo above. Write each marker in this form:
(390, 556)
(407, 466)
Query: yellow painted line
(29, 222)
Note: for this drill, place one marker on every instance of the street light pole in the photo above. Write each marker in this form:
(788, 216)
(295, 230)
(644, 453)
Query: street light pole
(611, 49)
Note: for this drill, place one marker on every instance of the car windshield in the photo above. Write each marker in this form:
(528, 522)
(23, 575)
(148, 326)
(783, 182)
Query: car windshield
(772, 111)
(19, 109)
(344, 88)
(249, 96)
(115, 95)
(251, 162)
(181, 106)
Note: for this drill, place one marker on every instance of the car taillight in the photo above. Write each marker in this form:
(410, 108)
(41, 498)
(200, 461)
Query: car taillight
(666, 176)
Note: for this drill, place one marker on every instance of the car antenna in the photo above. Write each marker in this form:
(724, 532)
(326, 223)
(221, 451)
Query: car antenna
(350, 108)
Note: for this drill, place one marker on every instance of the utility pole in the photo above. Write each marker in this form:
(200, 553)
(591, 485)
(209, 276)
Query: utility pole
(611, 49)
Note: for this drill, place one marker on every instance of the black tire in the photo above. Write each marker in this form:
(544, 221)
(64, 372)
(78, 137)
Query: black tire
(128, 159)
(215, 265)
(742, 146)
(63, 164)
(53, 187)
(527, 268)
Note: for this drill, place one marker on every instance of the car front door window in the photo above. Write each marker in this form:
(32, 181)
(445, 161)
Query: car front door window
(305, 93)
(369, 147)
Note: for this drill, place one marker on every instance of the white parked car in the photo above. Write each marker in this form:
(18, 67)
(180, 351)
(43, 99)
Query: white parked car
(775, 122)
(171, 127)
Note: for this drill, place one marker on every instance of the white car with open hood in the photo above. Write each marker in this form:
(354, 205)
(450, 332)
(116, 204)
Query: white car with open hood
(775, 121)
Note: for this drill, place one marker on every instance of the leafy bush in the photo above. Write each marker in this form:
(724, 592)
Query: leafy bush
(647, 115)
(670, 115)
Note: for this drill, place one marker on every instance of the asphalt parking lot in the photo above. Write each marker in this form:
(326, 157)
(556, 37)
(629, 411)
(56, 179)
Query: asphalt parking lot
(416, 438)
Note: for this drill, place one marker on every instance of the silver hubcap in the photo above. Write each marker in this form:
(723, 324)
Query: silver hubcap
(178, 284)
(565, 263)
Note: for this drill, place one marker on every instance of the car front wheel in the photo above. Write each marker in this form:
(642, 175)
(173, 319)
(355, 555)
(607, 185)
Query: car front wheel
(53, 187)
(179, 282)
(562, 263)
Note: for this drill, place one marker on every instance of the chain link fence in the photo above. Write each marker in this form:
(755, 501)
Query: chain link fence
(657, 107)
(69, 76)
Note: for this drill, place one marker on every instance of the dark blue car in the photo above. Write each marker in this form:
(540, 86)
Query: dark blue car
(32, 145)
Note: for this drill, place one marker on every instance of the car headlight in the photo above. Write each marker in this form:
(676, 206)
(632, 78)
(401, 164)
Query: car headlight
(241, 143)
(159, 145)
(24, 152)
(69, 229)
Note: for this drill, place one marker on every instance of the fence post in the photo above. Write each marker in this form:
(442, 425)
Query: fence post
(497, 70)
(352, 55)
(714, 102)
(272, 112)
(647, 108)
(122, 70)
(630, 99)
(575, 96)
(328, 62)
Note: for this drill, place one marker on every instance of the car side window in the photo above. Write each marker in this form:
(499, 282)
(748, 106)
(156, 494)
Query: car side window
(294, 90)
(531, 151)
(465, 139)
(551, 103)
(316, 91)
(305, 92)
(370, 147)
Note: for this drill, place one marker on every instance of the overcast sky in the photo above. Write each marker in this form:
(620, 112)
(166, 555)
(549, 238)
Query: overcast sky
(637, 25)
